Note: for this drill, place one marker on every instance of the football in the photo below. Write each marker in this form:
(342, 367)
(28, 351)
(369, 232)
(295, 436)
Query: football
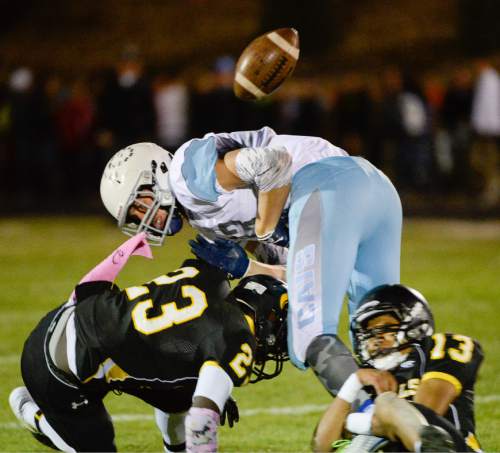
(266, 63)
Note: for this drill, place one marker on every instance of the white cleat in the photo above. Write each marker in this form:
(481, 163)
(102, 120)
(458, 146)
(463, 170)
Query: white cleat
(364, 443)
(18, 399)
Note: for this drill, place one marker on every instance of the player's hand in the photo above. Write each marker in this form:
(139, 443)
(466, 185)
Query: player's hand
(224, 254)
(231, 411)
(381, 381)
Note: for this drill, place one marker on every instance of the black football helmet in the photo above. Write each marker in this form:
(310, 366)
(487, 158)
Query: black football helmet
(265, 300)
(414, 323)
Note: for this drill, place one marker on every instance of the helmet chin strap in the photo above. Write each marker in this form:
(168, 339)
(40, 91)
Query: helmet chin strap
(389, 361)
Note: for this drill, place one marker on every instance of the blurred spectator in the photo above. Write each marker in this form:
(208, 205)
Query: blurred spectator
(28, 130)
(353, 113)
(126, 110)
(455, 118)
(171, 100)
(486, 124)
(434, 93)
(374, 150)
(288, 109)
(215, 107)
(390, 119)
(74, 119)
(406, 129)
(415, 149)
(56, 137)
(299, 110)
(48, 172)
(6, 154)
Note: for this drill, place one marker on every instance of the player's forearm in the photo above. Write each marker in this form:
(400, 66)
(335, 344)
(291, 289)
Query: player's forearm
(436, 394)
(274, 270)
(395, 418)
(330, 426)
(270, 206)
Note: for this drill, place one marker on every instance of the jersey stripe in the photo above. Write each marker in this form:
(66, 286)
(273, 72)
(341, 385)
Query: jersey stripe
(210, 363)
(444, 377)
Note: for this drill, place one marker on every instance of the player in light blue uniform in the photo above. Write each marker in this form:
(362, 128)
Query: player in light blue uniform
(344, 221)
(345, 235)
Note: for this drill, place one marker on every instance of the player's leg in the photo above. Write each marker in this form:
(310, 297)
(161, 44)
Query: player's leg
(434, 419)
(325, 232)
(71, 418)
(396, 419)
(379, 251)
(399, 420)
(172, 429)
(171, 408)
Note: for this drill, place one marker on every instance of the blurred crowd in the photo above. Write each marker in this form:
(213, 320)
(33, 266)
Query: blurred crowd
(433, 135)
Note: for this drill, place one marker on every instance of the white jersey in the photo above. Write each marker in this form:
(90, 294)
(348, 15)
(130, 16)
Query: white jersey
(231, 214)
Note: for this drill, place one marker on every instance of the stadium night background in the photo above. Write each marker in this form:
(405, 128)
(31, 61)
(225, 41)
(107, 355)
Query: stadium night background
(64, 69)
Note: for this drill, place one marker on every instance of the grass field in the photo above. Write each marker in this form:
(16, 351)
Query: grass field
(455, 264)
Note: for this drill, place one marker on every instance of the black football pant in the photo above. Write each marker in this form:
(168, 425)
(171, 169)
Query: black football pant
(79, 417)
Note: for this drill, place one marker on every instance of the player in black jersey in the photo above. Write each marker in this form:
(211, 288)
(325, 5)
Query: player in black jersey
(179, 342)
(424, 380)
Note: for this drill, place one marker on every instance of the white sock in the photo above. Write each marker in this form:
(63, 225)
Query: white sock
(56, 439)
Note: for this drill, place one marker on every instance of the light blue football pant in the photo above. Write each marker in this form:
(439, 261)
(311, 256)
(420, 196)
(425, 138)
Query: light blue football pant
(345, 237)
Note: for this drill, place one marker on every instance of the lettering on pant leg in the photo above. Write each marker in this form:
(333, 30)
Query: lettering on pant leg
(304, 259)
(305, 284)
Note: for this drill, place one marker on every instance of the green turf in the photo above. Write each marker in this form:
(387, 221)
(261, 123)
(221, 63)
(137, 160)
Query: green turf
(455, 264)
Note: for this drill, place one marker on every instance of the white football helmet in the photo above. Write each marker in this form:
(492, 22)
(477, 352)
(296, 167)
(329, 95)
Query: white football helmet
(139, 170)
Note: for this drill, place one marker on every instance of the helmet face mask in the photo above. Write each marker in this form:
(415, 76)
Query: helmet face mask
(159, 200)
(133, 175)
(383, 347)
(265, 300)
(390, 319)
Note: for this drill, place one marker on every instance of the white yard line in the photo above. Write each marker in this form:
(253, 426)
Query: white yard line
(286, 410)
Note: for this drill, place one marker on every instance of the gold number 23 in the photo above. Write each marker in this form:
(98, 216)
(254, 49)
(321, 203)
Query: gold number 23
(171, 314)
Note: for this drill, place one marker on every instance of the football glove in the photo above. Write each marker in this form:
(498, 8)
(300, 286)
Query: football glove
(222, 253)
(231, 411)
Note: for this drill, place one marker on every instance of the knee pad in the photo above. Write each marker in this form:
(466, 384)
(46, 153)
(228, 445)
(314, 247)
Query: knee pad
(331, 361)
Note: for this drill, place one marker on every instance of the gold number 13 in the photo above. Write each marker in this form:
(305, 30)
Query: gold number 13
(462, 354)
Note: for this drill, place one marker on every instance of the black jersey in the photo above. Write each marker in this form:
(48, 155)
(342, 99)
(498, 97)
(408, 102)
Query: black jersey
(158, 335)
(454, 358)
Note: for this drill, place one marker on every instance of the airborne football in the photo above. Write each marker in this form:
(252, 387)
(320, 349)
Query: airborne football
(266, 63)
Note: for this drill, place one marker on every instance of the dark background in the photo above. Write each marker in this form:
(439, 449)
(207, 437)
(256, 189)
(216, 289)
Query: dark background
(357, 60)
